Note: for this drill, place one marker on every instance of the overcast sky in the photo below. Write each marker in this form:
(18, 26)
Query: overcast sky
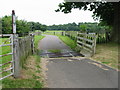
(43, 11)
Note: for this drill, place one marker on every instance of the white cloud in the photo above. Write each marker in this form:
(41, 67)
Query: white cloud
(43, 11)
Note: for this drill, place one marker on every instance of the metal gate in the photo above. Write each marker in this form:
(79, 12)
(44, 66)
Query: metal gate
(6, 56)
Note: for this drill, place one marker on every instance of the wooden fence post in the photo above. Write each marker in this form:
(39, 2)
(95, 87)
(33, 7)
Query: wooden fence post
(16, 56)
(62, 34)
(94, 49)
(32, 43)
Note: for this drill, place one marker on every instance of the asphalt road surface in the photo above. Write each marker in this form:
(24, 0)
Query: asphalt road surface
(76, 72)
(80, 73)
(52, 42)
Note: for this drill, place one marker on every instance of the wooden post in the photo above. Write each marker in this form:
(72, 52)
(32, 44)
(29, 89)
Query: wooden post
(94, 49)
(16, 59)
(16, 56)
(13, 22)
(62, 34)
(32, 43)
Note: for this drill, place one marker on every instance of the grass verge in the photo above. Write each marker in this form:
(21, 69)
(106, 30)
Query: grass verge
(71, 43)
(30, 75)
(107, 54)
(37, 39)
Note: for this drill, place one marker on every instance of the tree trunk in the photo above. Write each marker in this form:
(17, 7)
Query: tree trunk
(116, 25)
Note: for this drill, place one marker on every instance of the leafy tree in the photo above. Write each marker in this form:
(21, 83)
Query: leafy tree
(83, 28)
(107, 11)
(22, 27)
(7, 24)
(43, 28)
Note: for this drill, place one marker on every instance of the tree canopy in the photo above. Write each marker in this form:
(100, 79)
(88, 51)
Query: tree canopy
(22, 26)
(107, 12)
(102, 10)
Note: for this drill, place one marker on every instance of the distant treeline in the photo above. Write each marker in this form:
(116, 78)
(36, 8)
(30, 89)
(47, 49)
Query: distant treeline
(86, 27)
(23, 26)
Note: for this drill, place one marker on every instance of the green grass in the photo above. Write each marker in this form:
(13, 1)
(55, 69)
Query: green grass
(107, 53)
(55, 50)
(30, 77)
(37, 39)
(71, 43)
(5, 59)
(53, 32)
(31, 80)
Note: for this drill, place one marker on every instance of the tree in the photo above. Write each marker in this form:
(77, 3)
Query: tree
(7, 24)
(43, 28)
(107, 11)
(83, 28)
(22, 27)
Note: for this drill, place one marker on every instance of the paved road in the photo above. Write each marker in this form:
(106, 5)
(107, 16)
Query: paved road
(84, 73)
(52, 42)
(76, 72)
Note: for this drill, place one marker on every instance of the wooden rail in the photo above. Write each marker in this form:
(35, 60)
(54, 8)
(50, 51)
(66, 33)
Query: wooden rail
(87, 42)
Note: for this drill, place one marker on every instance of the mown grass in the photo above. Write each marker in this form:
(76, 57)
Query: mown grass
(54, 50)
(37, 38)
(107, 53)
(30, 75)
(53, 32)
(71, 43)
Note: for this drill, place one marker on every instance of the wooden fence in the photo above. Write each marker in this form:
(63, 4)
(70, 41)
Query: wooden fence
(100, 37)
(71, 34)
(87, 43)
(55, 33)
(23, 47)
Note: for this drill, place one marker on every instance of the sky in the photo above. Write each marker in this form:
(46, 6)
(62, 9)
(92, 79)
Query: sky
(43, 11)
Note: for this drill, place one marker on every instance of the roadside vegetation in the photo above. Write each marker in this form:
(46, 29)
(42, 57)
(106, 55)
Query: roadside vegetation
(54, 50)
(37, 38)
(31, 73)
(71, 43)
(107, 53)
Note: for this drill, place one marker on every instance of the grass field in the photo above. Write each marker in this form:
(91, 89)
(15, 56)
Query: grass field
(52, 32)
(30, 75)
(107, 54)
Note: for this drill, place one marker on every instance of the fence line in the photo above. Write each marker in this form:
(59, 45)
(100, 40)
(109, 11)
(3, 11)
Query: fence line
(100, 37)
(87, 42)
(21, 48)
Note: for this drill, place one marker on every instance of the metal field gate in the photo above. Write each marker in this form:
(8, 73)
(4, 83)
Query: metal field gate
(6, 56)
